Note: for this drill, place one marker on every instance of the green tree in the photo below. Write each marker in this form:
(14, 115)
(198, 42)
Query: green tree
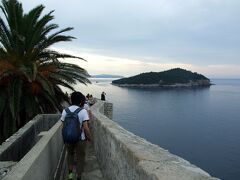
(30, 73)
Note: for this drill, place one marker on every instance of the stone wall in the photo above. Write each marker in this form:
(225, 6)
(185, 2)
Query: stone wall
(108, 110)
(14, 148)
(125, 156)
(36, 152)
(36, 149)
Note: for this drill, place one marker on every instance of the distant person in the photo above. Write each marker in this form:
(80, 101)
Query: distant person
(91, 100)
(75, 133)
(103, 96)
(86, 106)
(66, 93)
(87, 96)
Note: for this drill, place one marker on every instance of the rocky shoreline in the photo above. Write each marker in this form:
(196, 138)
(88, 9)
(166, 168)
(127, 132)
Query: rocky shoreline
(176, 85)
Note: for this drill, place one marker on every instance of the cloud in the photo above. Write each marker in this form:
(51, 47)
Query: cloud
(200, 33)
(102, 64)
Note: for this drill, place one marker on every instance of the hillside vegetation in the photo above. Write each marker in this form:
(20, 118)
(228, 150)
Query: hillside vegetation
(170, 77)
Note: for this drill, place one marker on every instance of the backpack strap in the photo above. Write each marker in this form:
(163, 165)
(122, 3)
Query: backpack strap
(77, 110)
(67, 111)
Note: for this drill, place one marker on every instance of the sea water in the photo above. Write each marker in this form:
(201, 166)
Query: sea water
(201, 125)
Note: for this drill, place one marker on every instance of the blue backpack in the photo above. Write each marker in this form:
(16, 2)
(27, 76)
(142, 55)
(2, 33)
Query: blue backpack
(71, 131)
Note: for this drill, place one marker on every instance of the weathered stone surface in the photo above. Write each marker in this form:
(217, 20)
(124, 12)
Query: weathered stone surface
(125, 156)
(42, 159)
(108, 110)
(16, 146)
(5, 167)
(91, 170)
(121, 154)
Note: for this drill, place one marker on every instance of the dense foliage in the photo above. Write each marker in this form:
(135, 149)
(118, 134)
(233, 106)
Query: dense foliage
(172, 76)
(30, 72)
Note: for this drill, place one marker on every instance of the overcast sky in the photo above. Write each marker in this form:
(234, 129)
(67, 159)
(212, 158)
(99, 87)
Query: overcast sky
(127, 37)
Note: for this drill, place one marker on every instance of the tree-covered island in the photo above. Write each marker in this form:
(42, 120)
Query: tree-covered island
(172, 78)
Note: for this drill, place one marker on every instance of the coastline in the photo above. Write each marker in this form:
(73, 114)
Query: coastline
(177, 85)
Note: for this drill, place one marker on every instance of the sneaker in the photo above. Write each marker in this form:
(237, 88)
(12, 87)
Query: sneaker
(71, 176)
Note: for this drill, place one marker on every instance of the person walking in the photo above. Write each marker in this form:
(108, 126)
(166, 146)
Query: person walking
(75, 113)
(103, 98)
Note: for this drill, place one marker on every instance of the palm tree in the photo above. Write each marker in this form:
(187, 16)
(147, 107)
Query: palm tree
(30, 73)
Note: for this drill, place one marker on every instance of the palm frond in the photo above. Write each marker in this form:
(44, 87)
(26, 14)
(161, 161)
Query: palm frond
(49, 54)
(15, 91)
(5, 37)
(46, 85)
(30, 73)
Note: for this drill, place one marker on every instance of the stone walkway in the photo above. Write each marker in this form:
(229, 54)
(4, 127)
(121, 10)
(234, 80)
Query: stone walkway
(91, 170)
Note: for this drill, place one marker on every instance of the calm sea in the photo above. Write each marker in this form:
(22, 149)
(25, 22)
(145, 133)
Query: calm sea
(200, 125)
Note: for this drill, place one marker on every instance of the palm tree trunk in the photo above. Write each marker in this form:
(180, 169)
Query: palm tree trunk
(2, 136)
(22, 119)
(9, 125)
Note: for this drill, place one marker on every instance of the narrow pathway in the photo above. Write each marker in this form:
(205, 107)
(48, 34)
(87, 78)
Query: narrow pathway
(91, 170)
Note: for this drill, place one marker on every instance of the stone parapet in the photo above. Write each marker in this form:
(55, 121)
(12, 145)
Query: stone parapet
(125, 156)
(16, 146)
(36, 150)
(108, 110)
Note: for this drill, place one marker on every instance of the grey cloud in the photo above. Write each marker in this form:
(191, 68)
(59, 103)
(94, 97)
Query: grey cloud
(189, 31)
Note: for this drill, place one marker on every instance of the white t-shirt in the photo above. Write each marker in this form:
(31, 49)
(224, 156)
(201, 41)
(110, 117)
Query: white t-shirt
(82, 116)
(86, 106)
